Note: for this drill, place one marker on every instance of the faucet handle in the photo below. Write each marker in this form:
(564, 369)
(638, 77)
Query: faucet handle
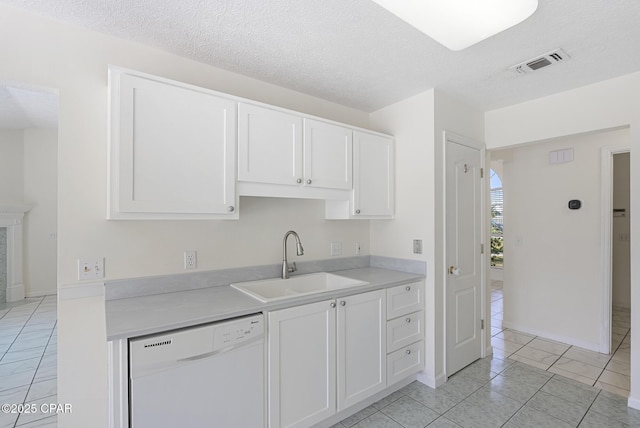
(293, 268)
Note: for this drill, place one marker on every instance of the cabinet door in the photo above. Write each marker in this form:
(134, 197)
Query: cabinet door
(172, 149)
(302, 365)
(361, 347)
(328, 152)
(269, 146)
(373, 175)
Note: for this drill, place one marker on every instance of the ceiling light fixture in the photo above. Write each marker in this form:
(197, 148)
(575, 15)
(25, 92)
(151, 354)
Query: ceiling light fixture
(458, 24)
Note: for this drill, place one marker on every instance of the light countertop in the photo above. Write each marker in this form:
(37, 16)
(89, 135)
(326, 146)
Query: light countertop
(140, 316)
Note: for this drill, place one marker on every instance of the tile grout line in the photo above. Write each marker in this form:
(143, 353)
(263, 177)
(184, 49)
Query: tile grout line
(596, 380)
(22, 328)
(525, 403)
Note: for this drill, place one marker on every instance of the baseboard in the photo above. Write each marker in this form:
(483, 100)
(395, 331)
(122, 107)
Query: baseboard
(552, 336)
(431, 381)
(634, 403)
(488, 351)
(42, 293)
(15, 293)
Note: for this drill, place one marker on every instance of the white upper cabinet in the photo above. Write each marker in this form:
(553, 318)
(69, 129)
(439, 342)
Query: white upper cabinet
(269, 146)
(284, 154)
(172, 150)
(328, 151)
(373, 194)
(177, 151)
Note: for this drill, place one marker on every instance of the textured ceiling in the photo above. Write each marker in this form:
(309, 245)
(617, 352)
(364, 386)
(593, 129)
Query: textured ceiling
(355, 53)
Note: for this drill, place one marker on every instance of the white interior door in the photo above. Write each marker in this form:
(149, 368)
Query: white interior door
(463, 255)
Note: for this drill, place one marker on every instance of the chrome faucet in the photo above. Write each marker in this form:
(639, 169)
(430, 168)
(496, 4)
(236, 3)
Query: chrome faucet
(299, 250)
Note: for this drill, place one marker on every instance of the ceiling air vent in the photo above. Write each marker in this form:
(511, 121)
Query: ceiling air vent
(541, 61)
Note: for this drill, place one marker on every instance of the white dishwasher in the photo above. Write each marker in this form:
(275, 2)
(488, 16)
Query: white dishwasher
(206, 376)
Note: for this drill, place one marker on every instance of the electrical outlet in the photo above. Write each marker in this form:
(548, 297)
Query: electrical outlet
(358, 249)
(336, 248)
(190, 259)
(417, 246)
(90, 268)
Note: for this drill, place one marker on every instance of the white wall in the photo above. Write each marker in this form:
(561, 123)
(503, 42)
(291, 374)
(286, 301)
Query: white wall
(51, 54)
(11, 167)
(28, 169)
(41, 193)
(553, 256)
(412, 122)
(418, 124)
(621, 251)
(601, 106)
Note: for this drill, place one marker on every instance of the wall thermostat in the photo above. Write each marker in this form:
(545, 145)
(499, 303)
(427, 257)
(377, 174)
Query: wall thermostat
(575, 204)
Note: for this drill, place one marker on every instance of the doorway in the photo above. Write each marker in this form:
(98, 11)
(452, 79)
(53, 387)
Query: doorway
(621, 256)
(28, 190)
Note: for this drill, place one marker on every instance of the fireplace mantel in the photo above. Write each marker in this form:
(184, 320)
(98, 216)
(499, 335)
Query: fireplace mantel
(11, 217)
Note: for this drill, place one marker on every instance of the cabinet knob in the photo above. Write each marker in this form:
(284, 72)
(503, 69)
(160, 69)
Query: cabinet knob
(408, 352)
(333, 304)
(343, 303)
(231, 209)
(408, 288)
(299, 180)
(357, 211)
(408, 320)
(308, 181)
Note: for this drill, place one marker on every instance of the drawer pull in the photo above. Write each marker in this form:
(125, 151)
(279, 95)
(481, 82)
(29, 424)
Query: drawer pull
(408, 320)
(342, 303)
(333, 304)
(408, 352)
(408, 288)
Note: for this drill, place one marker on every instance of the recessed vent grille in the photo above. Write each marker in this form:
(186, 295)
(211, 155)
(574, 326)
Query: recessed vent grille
(541, 61)
(163, 343)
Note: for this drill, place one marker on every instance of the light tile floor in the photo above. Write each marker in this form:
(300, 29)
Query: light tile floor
(498, 393)
(609, 372)
(28, 360)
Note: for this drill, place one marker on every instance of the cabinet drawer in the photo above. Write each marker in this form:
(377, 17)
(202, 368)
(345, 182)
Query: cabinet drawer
(405, 362)
(404, 299)
(405, 330)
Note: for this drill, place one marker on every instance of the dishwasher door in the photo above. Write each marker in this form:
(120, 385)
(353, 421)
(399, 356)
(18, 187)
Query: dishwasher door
(209, 376)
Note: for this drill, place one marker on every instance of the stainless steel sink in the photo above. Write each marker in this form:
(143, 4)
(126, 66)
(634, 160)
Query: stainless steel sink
(269, 290)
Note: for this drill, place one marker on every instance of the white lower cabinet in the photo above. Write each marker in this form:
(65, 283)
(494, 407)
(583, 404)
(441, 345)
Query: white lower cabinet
(405, 331)
(361, 347)
(324, 357)
(302, 364)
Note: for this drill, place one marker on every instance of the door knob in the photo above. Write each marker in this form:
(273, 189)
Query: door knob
(454, 271)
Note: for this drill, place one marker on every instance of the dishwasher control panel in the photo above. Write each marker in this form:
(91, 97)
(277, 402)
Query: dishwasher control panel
(158, 351)
(235, 332)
